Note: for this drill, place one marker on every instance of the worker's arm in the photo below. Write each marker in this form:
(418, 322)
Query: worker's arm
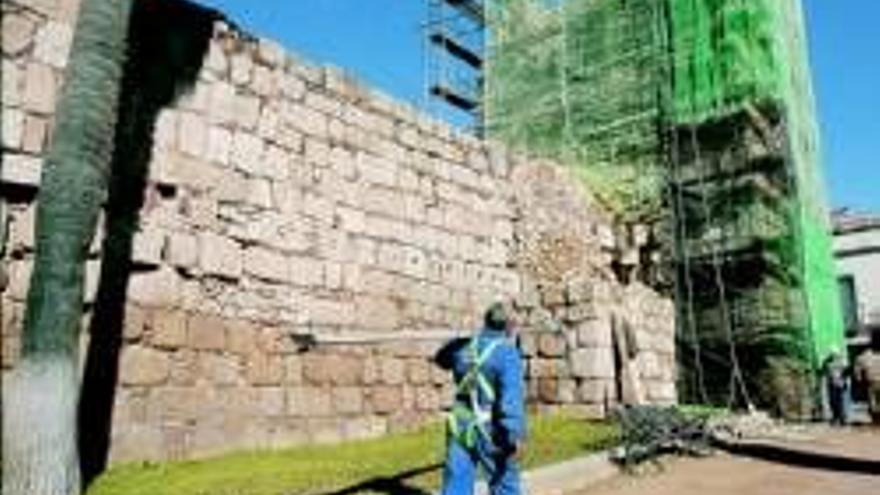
(511, 396)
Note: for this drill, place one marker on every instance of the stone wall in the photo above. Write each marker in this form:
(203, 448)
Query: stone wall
(284, 199)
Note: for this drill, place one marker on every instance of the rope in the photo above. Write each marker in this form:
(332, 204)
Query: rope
(736, 379)
(689, 285)
(680, 235)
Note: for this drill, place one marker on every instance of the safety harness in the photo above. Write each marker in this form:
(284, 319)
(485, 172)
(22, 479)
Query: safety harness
(466, 408)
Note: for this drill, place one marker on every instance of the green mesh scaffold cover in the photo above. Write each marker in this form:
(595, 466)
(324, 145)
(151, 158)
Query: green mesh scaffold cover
(600, 85)
(577, 81)
(728, 54)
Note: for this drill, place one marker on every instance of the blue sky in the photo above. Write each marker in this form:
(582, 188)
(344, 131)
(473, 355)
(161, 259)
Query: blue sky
(380, 42)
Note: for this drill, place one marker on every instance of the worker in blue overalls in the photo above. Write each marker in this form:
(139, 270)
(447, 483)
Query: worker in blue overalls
(486, 425)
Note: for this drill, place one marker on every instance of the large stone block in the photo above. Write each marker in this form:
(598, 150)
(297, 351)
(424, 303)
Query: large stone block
(247, 111)
(545, 368)
(418, 371)
(241, 68)
(386, 399)
(21, 230)
(661, 391)
(155, 288)
(269, 126)
(11, 79)
(192, 134)
(393, 371)
(247, 152)
(265, 264)
(578, 313)
(136, 442)
(293, 370)
(292, 87)
(91, 280)
(165, 131)
(594, 333)
(551, 344)
(184, 368)
(364, 427)
(177, 404)
(265, 369)
(380, 313)
(53, 42)
(427, 398)
(36, 134)
(218, 145)
(330, 311)
(21, 170)
(18, 32)
(232, 189)
(216, 60)
(309, 402)
(648, 365)
(10, 348)
(324, 104)
(221, 108)
(168, 329)
(269, 53)
(148, 246)
(305, 119)
(348, 400)
(13, 128)
(593, 391)
(219, 256)
(137, 322)
(183, 250)
(592, 363)
(241, 337)
(40, 88)
(269, 402)
(566, 391)
(259, 193)
(206, 332)
(303, 271)
(317, 369)
(548, 390)
(323, 431)
(276, 163)
(333, 368)
(220, 369)
(143, 366)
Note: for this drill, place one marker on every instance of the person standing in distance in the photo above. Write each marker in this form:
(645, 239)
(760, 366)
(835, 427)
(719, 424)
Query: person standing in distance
(486, 427)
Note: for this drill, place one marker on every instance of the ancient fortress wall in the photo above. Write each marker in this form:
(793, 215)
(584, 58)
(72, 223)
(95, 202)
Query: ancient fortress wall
(285, 200)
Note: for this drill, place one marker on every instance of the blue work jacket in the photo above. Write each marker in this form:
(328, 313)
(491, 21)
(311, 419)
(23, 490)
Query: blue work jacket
(503, 368)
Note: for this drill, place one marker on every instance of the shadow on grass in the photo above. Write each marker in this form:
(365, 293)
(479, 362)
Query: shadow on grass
(801, 458)
(167, 42)
(391, 485)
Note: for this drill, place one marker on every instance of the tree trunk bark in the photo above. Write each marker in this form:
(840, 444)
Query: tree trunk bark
(39, 430)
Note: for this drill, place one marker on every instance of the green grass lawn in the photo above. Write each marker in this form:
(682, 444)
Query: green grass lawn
(393, 464)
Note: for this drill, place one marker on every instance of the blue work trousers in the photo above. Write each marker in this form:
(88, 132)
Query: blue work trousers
(460, 470)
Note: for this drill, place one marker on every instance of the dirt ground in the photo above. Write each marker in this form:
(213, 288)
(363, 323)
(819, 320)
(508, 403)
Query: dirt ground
(724, 474)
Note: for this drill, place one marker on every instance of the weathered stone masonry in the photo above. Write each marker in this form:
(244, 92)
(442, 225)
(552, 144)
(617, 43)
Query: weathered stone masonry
(286, 198)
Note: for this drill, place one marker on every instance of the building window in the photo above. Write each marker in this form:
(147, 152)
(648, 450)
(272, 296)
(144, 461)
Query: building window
(849, 303)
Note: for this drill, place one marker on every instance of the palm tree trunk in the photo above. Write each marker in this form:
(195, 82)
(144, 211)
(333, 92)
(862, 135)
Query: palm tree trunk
(39, 424)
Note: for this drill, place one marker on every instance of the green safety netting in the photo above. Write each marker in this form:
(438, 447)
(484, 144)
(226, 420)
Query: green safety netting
(699, 111)
(577, 81)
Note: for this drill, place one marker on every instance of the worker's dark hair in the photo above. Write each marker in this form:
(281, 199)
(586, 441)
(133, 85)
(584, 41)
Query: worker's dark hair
(496, 317)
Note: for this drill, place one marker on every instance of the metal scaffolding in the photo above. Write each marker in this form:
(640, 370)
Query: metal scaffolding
(454, 46)
(699, 114)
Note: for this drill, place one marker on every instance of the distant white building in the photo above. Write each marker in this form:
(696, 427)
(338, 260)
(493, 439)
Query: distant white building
(857, 253)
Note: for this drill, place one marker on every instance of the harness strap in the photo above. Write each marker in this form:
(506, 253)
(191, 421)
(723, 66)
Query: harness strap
(472, 383)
